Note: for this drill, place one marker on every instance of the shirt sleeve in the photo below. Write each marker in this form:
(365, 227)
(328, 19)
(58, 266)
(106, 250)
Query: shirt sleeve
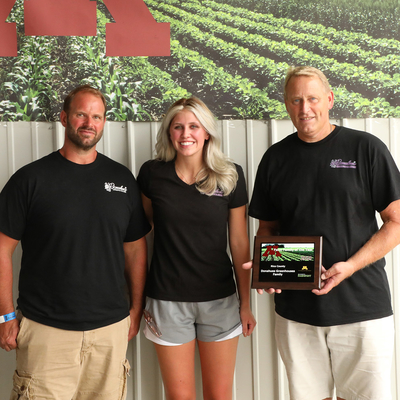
(385, 176)
(238, 197)
(260, 206)
(138, 224)
(143, 178)
(13, 208)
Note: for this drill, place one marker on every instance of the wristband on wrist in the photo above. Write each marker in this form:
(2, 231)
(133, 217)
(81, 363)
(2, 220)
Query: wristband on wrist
(7, 317)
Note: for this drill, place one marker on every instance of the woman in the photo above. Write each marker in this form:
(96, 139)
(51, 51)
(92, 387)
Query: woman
(191, 193)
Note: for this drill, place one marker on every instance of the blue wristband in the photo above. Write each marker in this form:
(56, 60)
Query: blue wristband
(7, 317)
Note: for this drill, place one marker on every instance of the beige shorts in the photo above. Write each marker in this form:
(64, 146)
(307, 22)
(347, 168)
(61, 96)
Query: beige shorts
(355, 358)
(63, 365)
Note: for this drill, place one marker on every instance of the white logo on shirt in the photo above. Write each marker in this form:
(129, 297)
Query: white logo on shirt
(110, 187)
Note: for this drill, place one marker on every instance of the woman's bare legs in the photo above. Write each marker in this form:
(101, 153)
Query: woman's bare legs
(177, 370)
(218, 366)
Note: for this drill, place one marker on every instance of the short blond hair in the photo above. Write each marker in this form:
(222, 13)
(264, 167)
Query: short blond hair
(306, 70)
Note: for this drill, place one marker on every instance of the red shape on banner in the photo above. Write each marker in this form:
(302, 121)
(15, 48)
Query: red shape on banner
(60, 17)
(135, 31)
(8, 31)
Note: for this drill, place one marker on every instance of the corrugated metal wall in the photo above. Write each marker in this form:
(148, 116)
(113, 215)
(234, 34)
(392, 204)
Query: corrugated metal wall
(259, 372)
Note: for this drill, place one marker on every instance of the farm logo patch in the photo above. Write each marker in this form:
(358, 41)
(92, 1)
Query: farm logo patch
(342, 164)
(218, 193)
(110, 187)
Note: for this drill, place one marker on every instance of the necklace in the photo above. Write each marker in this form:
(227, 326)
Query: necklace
(186, 180)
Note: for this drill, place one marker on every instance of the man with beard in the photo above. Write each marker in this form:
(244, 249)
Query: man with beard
(79, 217)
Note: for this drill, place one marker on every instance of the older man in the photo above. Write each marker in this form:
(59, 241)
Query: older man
(329, 180)
(81, 224)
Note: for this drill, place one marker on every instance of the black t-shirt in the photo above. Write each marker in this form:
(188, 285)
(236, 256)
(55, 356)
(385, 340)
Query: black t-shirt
(190, 261)
(72, 221)
(330, 188)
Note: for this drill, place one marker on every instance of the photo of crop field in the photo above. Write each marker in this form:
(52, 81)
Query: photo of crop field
(232, 54)
(292, 252)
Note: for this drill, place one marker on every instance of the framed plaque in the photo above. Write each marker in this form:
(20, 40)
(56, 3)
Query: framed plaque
(287, 262)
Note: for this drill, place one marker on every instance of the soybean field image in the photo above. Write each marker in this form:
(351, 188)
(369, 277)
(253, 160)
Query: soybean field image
(233, 54)
(291, 252)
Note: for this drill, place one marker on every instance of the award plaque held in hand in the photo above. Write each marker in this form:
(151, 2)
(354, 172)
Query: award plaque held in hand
(287, 262)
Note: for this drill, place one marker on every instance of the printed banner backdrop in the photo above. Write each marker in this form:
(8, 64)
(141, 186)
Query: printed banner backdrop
(233, 54)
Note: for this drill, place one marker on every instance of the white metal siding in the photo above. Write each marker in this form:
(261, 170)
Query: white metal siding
(260, 374)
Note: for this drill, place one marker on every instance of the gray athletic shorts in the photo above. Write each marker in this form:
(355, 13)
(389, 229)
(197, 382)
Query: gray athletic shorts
(181, 322)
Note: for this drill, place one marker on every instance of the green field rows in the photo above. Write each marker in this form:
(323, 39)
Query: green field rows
(376, 83)
(268, 73)
(232, 57)
(344, 46)
(377, 18)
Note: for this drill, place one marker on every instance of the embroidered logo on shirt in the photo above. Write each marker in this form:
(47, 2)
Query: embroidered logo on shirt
(342, 164)
(218, 193)
(110, 187)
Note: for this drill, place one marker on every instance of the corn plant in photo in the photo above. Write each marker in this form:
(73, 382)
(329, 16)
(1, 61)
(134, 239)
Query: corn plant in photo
(28, 89)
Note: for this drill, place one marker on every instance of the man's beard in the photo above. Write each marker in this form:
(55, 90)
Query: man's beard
(82, 144)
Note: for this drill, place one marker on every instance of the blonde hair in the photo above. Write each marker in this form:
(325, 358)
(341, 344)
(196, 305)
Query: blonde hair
(306, 71)
(219, 172)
